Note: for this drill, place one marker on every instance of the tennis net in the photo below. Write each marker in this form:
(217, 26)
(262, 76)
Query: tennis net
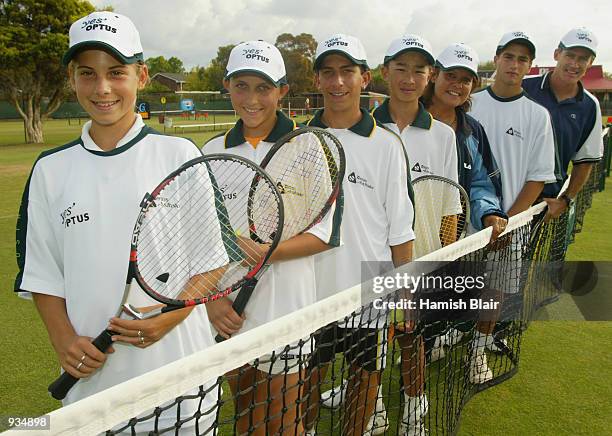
(428, 367)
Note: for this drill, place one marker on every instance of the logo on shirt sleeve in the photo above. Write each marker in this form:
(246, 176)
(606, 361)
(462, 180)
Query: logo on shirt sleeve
(71, 216)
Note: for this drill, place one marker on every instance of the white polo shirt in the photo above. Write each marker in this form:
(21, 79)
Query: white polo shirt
(378, 210)
(431, 149)
(521, 137)
(429, 143)
(287, 285)
(77, 215)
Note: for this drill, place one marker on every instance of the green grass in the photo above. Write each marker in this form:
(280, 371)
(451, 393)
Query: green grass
(566, 366)
(58, 132)
(563, 386)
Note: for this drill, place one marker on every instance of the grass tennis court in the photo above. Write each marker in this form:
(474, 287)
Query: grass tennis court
(563, 385)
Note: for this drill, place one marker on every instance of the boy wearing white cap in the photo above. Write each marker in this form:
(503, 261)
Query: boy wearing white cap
(575, 113)
(255, 79)
(522, 141)
(519, 129)
(377, 227)
(430, 144)
(430, 147)
(76, 272)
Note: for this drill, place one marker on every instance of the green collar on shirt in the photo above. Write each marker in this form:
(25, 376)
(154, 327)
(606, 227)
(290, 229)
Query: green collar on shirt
(423, 119)
(284, 125)
(364, 127)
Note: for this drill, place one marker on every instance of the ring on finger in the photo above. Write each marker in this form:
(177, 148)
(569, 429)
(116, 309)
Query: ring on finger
(83, 357)
(141, 338)
(140, 333)
(79, 366)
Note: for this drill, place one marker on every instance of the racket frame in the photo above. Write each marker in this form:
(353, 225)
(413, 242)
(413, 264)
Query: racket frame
(149, 201)
(246, 292)
(462, 195)
(59, 388)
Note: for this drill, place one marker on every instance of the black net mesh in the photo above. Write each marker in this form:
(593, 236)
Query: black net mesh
(383, 371)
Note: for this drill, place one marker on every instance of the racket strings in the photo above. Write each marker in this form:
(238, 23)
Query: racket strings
(441, 213)
(172, 243)
(195, 239)
(305, 170)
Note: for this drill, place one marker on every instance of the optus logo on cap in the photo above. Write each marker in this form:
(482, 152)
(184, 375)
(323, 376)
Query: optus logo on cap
(257, 57)
(412, 42)
(583, 36)
(336, 41)
(458, 56)
(408, 43)
(520, 35)
(517, 37)
(463, 54)
(255, 54)
(580, 37)
(346, 45)
(97, 23)
(108, 31)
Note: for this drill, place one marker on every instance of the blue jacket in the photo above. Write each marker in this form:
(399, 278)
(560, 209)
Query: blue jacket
(478, 171)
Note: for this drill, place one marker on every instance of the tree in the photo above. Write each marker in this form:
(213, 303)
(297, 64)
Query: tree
(195, 79)
(378, 84)
(160, 64)
(298, 52)
(212, 76)
(33, 39)
(486, 66)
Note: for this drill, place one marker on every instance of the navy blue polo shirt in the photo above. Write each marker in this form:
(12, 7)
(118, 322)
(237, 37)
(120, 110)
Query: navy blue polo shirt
(576, 123)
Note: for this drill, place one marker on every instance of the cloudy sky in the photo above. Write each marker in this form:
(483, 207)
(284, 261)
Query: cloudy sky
(193, 29)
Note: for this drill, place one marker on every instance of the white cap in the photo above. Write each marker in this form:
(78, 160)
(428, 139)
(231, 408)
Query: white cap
(345, 45)
(409, 43)
(580, 37)
(257, 57)
(458, 55)
(106, 30)
(517, 37)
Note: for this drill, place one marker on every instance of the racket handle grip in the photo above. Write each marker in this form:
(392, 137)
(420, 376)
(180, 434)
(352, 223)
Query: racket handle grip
(240, 302)
(60, 387)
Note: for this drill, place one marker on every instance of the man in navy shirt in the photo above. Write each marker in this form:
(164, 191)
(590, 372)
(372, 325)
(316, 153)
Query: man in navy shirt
(575, 113)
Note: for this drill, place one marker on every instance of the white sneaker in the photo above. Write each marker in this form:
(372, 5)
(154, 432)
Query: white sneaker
(333, 398)
(437, 351)
(378, 423)
(479, 371)
(453, 337)
(415, 408)
(492, 346)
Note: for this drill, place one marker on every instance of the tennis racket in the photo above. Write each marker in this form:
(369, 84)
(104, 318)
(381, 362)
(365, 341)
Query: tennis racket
(307, 166)
(442, 213)
(187, 237)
